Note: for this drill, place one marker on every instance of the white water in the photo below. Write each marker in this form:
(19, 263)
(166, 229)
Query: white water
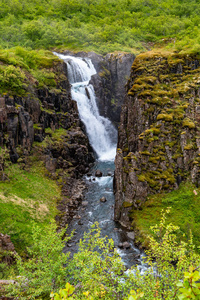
(101, 133)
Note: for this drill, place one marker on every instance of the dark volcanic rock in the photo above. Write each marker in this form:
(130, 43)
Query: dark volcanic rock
(159, 135)
(98, 173)
(7, 249)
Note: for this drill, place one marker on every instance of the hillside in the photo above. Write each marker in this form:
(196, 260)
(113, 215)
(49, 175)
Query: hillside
(99, 25)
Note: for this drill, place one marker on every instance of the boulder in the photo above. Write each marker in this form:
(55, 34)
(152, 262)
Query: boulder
(103, 199)
(98, 173)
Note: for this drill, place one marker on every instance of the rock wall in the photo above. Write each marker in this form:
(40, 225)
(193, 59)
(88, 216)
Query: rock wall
(113, 71)
(23, 120)
(159, 132)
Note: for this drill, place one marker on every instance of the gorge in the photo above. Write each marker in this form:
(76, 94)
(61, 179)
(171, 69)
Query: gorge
(157, 150)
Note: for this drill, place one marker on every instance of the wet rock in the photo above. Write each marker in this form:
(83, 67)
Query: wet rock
(131, 235)
(103, 199)
(126, 245)
(109, 174)
(98, 173)
(51, 164)
(120, 245)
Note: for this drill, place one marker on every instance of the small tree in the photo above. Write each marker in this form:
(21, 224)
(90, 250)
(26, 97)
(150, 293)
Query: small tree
(168, 259)
(44, 271)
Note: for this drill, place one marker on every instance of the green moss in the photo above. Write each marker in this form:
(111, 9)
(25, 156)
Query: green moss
(127, 204)
(145, 153)
(188, 123)
(141, 177)
(188, 147)
(166, 117)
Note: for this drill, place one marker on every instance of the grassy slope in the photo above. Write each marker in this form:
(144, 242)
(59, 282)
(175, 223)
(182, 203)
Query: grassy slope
(99, 25)
(184, 212)
(28, 195)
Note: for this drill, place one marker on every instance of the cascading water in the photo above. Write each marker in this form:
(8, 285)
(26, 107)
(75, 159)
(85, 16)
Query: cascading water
(103, 138)
(101, 133)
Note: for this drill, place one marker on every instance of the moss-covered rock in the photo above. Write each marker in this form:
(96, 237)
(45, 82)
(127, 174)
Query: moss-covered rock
(159, 126)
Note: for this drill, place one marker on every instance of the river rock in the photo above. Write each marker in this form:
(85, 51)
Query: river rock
(98, 173)
(131, 235)
(126, 245)
(103, 199)
(84, 203)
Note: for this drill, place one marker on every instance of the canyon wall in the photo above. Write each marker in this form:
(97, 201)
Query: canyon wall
(24, 120)
(159, 132)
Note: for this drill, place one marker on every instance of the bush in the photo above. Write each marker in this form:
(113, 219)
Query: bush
(44, 270)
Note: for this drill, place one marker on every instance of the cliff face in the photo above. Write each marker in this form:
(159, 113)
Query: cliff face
(23, 120)
(109, 83)
(159, 133)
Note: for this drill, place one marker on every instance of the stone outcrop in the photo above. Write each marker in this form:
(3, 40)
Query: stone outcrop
(109, 82)
(159, 133)
(7, 249)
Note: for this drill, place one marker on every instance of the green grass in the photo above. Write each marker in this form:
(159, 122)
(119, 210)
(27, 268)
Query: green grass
(28, 195)
(99, 25)
(185, 212)
(20, 67)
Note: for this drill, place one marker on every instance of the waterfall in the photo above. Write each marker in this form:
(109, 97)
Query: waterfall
(101, 133)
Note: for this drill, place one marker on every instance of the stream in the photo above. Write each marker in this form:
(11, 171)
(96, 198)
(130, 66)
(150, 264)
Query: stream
(103, 138)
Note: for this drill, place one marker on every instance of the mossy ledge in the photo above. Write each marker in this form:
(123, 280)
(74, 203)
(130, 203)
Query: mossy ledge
(159, 132)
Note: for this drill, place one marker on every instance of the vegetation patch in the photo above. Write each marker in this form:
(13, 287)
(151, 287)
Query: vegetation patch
(27, 195)
(184, 212)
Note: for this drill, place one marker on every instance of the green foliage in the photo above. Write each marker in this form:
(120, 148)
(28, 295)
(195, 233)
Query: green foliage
(190, 287)
(11, 79)
(20, 67)
(103, 26)
(168, 260)
(64, 293)
(97, 271)
(44, 270)
(184, 212)
(98, 267)
(27, 195)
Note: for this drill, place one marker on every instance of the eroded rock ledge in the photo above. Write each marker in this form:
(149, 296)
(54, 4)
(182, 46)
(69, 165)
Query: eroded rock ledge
(159, 132)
